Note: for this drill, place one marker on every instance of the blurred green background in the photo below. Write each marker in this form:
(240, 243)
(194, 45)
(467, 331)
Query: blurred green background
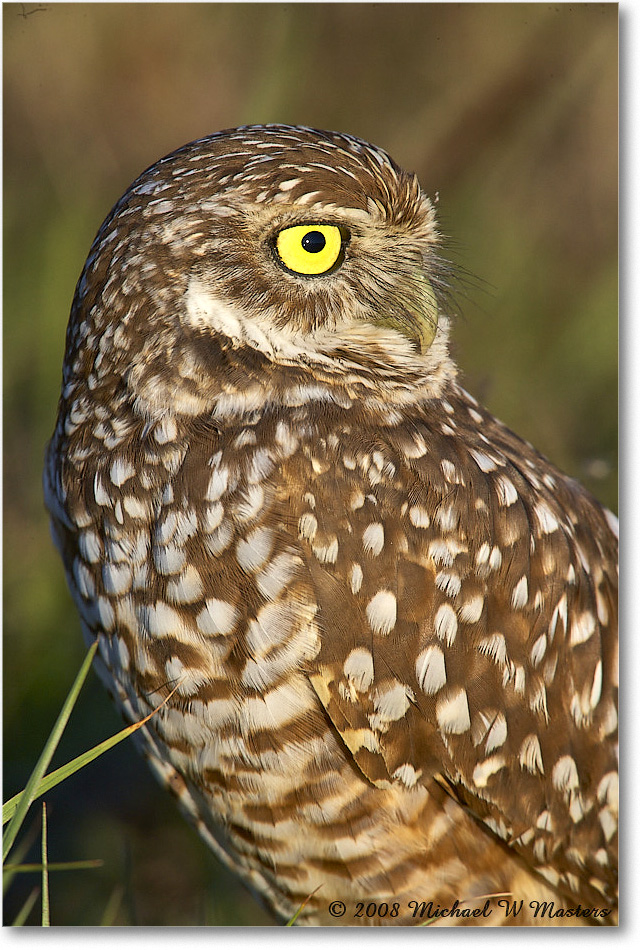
(507, 111)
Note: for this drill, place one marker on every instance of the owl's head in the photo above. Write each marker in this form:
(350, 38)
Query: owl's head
(263, 252)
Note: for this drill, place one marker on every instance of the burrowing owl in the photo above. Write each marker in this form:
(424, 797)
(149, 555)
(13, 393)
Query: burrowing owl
(387, 624)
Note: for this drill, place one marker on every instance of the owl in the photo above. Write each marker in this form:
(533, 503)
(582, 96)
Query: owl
(379, 627)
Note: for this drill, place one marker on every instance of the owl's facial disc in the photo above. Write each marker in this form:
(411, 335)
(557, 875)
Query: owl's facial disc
(317, 249)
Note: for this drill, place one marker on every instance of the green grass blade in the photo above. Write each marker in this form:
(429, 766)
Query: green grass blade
(25, 910)
(29, 793)
(58, 866)
(113, 906)
(59, 775)
(292, 919)
(20, 850)
(45, 872)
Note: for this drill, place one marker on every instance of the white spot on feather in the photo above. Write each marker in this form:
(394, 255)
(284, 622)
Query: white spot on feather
(519, 597)
(117, 578)
(608, 790)
(289, 184)
(544, 821)
(506, 491)
(260, 466)
(373, 539)
(217, 484)
(251, 503)
(90, 546)
(381, 612)
(608, 822)
(188, 680)
(391, 704)
(453, 715)
(356, 578)
(134, 507)
(483, 770)
(564, 774)
(168, 559)
(407, 775)
(559, 613)
(610, 722)
(471, 611)
(612, 522)
(84, 580)
(277, 575)
(271, 628)
(602, 609)
(538, 650)
(285, 438)
(451, 473)
(419, 516)
(530, 754)
(245, 437)
(121, 470)
(357, 500)
(446, 516)
(449, 583)
(165, 431)
(444, 550)
(328, 550)
(430, 669)
(307, 526)
(359, 667)
(445, 623)
(212, 516)
(497, 733)
(485, 462)
(274, 709)
(494, 646)
(417, 449)
(162, 621)
(218, 540)
(582, 628)
(218, 618)
(253, 551)
(101, 496)
(187, 588)
(186, 525)
(166, 529)
(596, 689)
(547, 521)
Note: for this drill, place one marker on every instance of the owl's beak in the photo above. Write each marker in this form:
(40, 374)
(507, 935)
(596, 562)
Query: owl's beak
(412, 310)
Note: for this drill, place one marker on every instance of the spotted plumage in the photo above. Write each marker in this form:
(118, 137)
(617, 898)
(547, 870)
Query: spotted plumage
(383, 628)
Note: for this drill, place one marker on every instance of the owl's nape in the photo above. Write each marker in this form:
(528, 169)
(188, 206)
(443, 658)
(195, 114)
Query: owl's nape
(384, 627)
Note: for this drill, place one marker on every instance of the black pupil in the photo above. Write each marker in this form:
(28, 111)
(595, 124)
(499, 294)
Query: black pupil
(313, 242)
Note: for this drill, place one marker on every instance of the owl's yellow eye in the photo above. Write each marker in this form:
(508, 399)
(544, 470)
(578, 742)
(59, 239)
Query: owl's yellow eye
(310, 249)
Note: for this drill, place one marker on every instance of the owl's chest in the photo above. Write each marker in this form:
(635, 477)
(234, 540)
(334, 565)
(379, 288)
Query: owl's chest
(203, 557)
(184, 559)
(215, 566)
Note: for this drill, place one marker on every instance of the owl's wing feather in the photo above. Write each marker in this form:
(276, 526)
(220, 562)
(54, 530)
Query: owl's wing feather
(468, 631)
